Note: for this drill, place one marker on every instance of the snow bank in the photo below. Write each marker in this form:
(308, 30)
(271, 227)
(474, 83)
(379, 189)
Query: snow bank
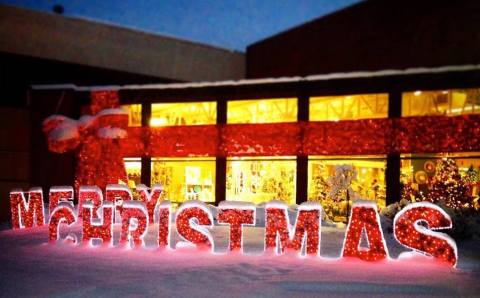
(30, 267)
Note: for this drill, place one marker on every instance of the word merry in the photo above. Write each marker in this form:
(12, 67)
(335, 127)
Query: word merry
(193, 219)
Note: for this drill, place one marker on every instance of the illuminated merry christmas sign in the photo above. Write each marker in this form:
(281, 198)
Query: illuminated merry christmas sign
(413, 226)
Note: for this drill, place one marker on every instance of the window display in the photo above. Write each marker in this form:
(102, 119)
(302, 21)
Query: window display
(336, 181)
(261, 179)
(451, 178)
(441, 103)
(134, 114)
(133, 166)
(262, 110)
(348, 107)
(184, 113)
(185, 179)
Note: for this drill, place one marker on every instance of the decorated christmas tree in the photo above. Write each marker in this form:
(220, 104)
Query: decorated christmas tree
(411, 194)
(449, 187)
(471, 176)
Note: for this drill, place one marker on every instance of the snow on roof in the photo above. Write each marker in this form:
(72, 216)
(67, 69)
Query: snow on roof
(319, 77)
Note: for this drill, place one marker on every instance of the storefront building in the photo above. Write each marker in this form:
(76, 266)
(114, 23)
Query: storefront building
(359, 105)
(289, 139)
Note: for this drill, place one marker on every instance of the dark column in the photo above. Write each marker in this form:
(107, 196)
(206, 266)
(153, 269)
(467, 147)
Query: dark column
(393, 178)
(48, 168)
(221, 162)
(302, 161)
(392, 172)
(146, 160)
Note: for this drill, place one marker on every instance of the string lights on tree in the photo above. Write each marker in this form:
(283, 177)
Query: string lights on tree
(449, 187)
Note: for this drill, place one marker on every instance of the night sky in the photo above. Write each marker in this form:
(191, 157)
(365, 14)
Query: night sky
(232, 24)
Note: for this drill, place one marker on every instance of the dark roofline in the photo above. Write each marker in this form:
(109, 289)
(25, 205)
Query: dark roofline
(307, 23)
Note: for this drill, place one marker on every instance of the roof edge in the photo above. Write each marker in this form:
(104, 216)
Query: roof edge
(317, 77)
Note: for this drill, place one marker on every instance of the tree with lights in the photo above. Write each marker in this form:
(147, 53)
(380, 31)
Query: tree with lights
(471, 176)
(449, 187)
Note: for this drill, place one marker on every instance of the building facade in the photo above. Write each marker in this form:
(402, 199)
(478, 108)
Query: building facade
(332, 124)
(289, 139)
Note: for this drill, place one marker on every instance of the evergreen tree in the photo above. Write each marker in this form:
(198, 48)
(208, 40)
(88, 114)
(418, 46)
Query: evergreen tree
(471, 176)
(449, 187)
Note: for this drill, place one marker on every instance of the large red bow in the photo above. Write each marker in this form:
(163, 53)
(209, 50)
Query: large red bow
(96, 139)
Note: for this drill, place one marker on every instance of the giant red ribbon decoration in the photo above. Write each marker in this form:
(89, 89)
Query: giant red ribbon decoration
(95, 138)
(430, 134)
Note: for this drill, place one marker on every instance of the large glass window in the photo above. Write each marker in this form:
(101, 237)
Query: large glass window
(348, 107)
(336, 181)
(184, 113)
(262, 110)
(451, 177)
(134, 114)
(261, 179)
(185, 179)
(441, 102)
(133, 167)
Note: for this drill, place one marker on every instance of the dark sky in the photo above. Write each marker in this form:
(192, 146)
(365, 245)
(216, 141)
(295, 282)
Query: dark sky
(232, 24)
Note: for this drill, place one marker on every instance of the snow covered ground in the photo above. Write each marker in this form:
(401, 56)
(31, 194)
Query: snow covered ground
(31, 267)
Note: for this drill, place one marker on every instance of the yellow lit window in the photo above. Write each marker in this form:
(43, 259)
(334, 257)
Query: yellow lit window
(442, 102)
(134, 171)
(333, 181)
(134, 114)
(261, 179)
(262, 111)
(185, 179)
(348, 107)
(184, 113)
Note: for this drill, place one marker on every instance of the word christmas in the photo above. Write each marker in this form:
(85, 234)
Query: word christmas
(413, 226)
